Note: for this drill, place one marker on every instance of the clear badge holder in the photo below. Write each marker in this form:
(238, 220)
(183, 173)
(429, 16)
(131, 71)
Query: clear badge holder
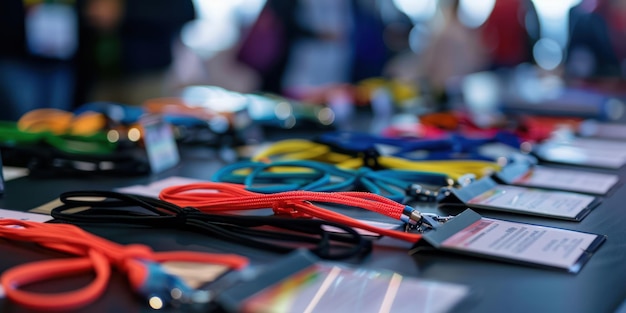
(487, 194)
(302, 283)
(521, 243)
(590, 152)
(159, 142)
(537, 176)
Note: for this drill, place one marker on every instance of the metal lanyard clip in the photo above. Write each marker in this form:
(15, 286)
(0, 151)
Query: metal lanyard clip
(418, 193)
(428, 221)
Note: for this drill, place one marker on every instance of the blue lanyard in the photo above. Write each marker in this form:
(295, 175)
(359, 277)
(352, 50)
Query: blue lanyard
(454, 146)
(119, 113)
(397, 185)
(130, 114)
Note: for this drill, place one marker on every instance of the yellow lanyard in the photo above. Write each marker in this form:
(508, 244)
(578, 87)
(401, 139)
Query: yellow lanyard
(61, 122)
(299, 149)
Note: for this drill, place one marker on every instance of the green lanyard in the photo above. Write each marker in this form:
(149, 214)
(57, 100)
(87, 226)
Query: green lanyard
(96, 144)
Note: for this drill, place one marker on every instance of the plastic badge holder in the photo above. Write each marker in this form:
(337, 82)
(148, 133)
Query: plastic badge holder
(301, 283)
(520, 243)
(602, 130)
(161, 147)
(486, 194)
(530, 175)
(591, 152)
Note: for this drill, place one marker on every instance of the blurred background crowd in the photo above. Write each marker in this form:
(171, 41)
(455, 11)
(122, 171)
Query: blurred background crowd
(435, 53)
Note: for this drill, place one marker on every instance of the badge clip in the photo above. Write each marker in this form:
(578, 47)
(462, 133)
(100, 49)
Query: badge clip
(427, 222)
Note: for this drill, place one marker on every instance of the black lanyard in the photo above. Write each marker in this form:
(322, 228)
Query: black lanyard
(244, 230)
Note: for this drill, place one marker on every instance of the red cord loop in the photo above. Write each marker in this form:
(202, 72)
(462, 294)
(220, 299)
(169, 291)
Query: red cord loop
(92, 254)
(136, 251)
(212, 197)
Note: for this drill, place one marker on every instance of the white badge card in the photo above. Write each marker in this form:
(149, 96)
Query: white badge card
(522, 243)
(558, 179)
(602, 130)
(586, 152)
(487, 194)
(160, 143)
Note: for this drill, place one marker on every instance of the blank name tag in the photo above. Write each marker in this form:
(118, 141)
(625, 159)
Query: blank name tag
(487, 194)
(583, 151)
(160, 143)
(558, 179)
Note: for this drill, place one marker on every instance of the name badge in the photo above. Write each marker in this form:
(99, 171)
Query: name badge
(583, 151)
(521, 174)
(160, 144)
(521, 243)
(301, 283)
(489, 195)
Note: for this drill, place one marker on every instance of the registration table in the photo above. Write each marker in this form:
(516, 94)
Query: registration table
(493, 286)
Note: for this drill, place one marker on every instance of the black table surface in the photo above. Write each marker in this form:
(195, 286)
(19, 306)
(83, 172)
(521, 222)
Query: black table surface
(495, 286)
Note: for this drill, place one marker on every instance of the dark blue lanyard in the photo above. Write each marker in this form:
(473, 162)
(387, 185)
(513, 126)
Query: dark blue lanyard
(453, 146)
(130, 114)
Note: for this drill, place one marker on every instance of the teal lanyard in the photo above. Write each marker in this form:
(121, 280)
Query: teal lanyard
(283, 176)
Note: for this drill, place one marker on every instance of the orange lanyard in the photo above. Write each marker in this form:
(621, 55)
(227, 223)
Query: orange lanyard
(220, 197)
(93, 254)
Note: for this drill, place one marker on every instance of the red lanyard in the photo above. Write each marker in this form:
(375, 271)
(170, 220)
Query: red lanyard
(93, 254)
(223, 197)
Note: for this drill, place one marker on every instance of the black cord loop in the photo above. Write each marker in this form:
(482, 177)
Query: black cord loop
(285, 234)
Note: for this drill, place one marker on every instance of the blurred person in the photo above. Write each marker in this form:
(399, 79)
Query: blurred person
(510, 32)
(370, 52)
(38, 44)
(267, 42)
(454, 51)
(596, 51)
(324, 59)
(60, 54)
(300, 45)
(127, 47)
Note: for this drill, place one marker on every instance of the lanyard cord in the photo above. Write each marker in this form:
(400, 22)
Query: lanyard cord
(299, 149)
(92, 254)
(45, 162)
(244, 230)
(222, 197)
(284, 176)
(454, 145)
(93, 144)
(66, 131)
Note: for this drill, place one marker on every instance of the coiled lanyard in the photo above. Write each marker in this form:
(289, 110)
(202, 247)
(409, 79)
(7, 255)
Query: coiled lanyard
(227, 197)
(94, 144)
(300, 149)
(97, 255)
(284, 176)
(244, 230)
